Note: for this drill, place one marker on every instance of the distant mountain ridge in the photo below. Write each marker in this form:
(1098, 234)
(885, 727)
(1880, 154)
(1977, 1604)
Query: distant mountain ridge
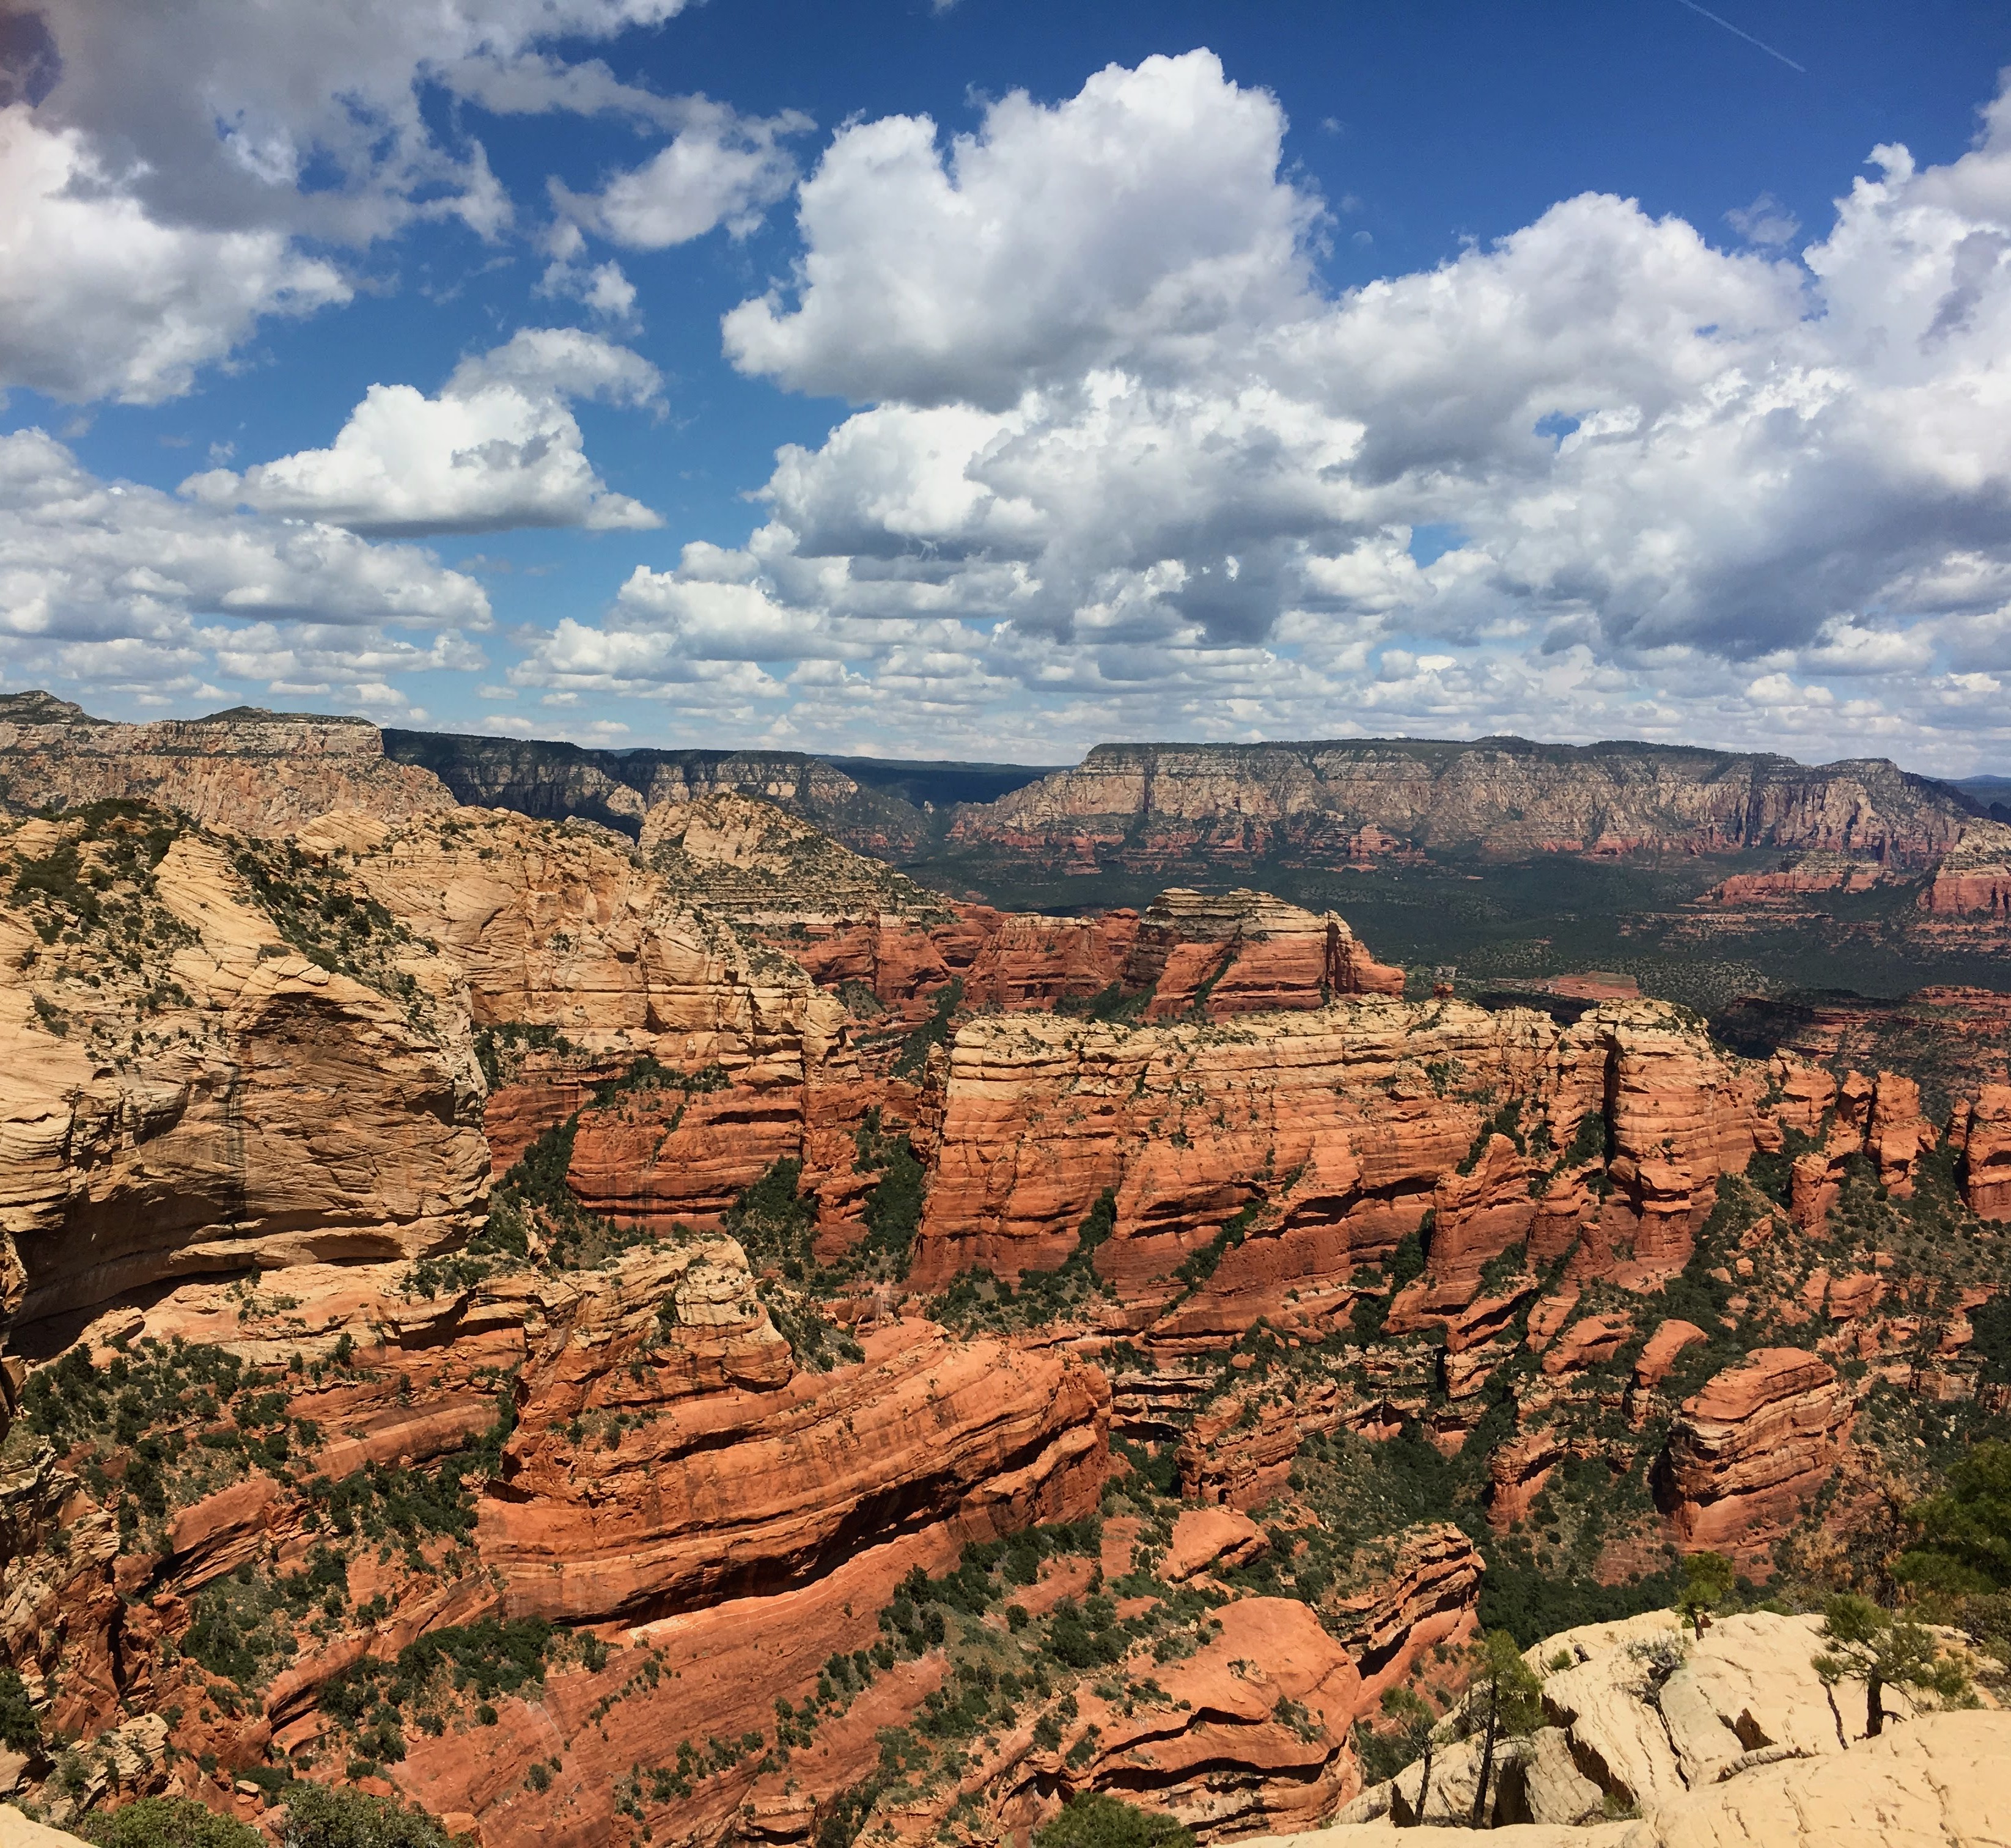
(1158, 805)
(875, 805)
(1193, 809)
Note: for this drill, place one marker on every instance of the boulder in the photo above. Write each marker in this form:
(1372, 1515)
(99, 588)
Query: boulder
(1208, 1536)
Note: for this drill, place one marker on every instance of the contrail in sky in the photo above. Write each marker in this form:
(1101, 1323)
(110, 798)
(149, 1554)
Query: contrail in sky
(1748, 37)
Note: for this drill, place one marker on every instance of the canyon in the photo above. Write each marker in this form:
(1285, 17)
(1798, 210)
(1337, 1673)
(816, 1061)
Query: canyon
(684, 1331)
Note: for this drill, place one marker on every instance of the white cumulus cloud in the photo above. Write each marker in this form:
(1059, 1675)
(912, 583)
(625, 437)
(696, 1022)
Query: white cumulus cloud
(113, 584)
(499, 447)
(1121, 453)
(720, 168)
(1136, 221)
(99, 300)
(163, 167)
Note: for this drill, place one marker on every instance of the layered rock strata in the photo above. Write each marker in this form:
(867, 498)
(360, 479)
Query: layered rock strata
(195, 1081)
(1748, 1454)
(1253, 1167)
(1158, 805)
(253, 772)
(1244, 952)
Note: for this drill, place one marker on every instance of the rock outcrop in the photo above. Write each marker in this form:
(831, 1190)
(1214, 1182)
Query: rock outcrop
(216, 1056)
(1255, 1166)
(1729, 1737)
(1160, 806)
(252, 771)
(1983, 1135)
(767, 1479)
(883, 807)
(1973, 878)
(1747, 1455)
(1244, 952)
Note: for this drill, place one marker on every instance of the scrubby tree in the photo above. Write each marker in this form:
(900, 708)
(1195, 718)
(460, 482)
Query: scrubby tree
(1414, 1734)
(1093, 1820)
(318, 1817)
(1708, 1579)
(1506, 1701)
(21, 1730)
(1964, 1546)
(1884, 1651)
(170, 1822)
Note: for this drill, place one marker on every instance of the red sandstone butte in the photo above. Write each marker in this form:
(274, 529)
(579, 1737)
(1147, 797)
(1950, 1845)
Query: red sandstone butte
(1747, 1455)
(1269, 1157)
(1983, 1133)
(1245, 952)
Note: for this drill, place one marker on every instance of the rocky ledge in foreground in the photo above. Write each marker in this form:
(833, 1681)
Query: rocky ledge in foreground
(1649, 1737)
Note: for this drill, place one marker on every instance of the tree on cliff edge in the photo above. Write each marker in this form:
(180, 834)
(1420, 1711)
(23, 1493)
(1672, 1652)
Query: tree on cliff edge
(1708, 1580)
(1883, 1651)
(1506, 1702)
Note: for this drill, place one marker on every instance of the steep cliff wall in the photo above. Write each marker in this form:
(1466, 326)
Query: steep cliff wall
(879, 806)
(1255, 1164)
(252, 771)
(1146, 806)
(216, 1056)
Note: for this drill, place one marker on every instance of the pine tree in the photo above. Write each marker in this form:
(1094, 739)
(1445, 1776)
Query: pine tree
(1884, 1651)
(1506, 1701)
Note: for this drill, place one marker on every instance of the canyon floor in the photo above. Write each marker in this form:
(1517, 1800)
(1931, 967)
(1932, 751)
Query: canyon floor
(691, 1333)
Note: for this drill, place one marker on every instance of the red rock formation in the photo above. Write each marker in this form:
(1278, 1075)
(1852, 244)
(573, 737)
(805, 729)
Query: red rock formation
(1748, 1453)
(1204, 1537)
(1586, 1342)
(1795, 879)
(1974, 879)
(1244, 952)
(1983, 1133)
(1664, 1347)
(750, 1487)
(1518, 1471)
(1150, 806)
(1878, 1117)
(1431, 1599)
(1239, 1451)
(1271, 1158)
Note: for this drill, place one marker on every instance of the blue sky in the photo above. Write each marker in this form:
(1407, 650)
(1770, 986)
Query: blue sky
(1265, 371)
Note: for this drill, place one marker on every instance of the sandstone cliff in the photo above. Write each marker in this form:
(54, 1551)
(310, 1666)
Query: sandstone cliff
(218, 1055)
(884, 807)
(1254, 1166)
(1159, 805)
(253, 772)
(1748, 1455)
(1724, 1738)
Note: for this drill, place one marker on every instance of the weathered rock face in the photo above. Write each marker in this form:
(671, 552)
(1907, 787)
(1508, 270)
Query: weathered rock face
(1159, 805)
(1974, 879)
(730, 1525)
(879, 807)
(1879, 1117)
(254, 772)
(1950, 1040)
(1748, 1454)
(1244, 952)
(1983, 1133)
(773, 1481)
(563, 929)
(1429, 1602)
(185, 1089)
(1272, 1157)
(559, 927)
(1727, 1738)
